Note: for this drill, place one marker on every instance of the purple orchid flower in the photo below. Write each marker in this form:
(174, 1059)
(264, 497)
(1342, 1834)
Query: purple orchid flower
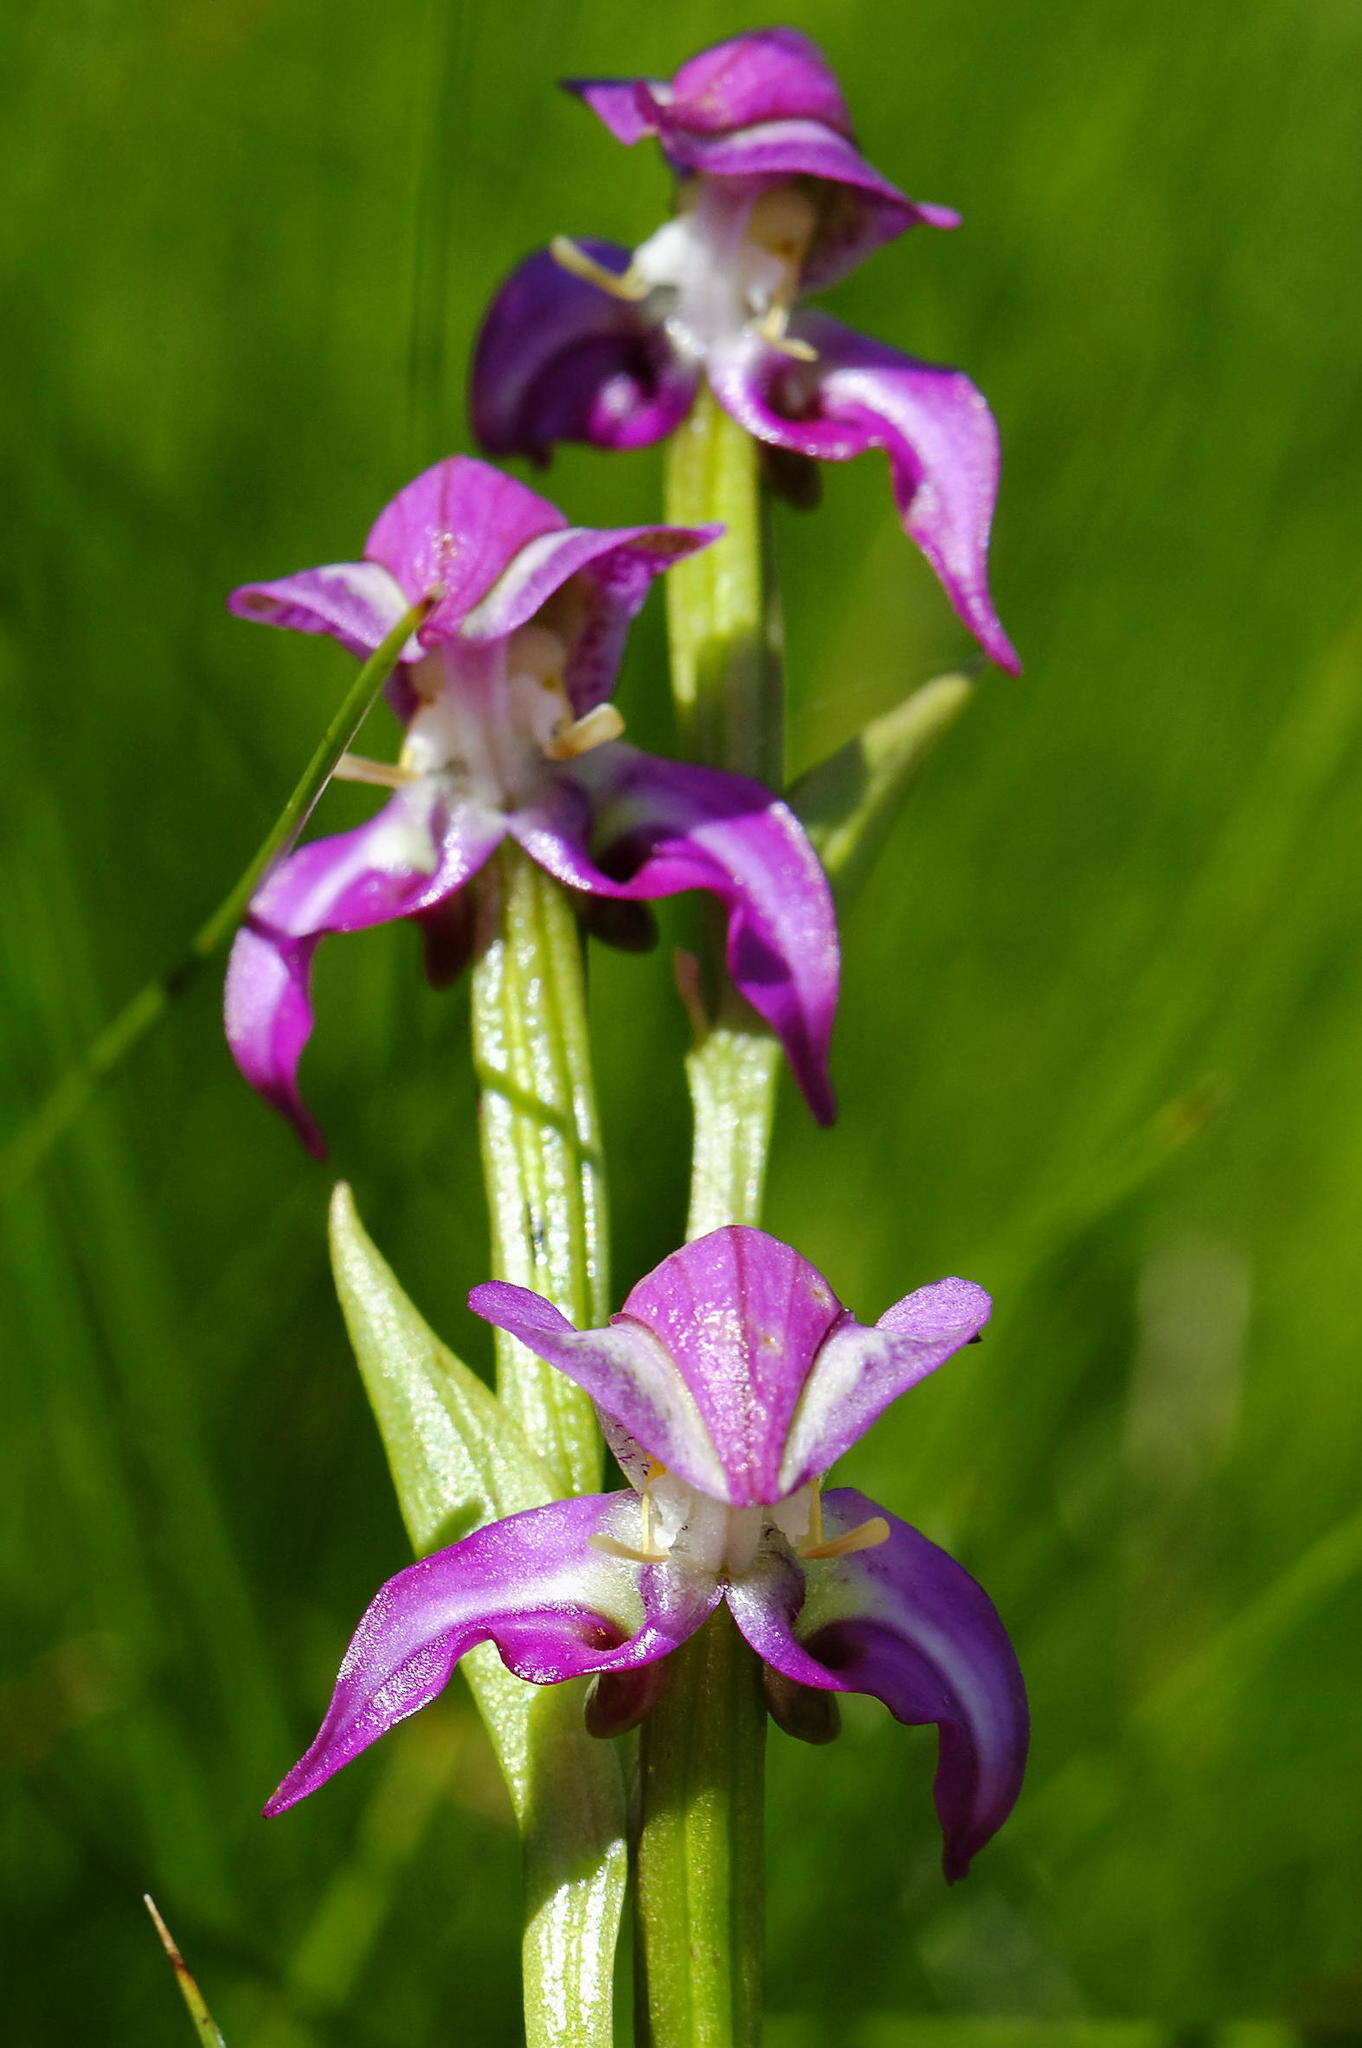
(504, 692)
(588, 342)
(726, 1387)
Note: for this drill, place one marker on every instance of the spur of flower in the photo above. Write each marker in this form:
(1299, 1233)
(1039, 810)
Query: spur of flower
(504, 695)
(587, 341)
(726, 1386)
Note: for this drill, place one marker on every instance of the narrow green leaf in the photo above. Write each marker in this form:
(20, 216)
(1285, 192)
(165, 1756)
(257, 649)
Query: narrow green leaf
(848, 803)
(204, 2024)
(458, 1460)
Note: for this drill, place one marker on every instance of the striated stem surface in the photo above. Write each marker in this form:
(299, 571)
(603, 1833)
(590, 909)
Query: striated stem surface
(541, 1151)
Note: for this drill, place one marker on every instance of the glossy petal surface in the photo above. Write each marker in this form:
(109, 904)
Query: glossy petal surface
(932, 423)
(632, 1378)
(859, 1371)
(614, 568)
(554, 1606)
(454, 530)
(664, 827)
(907, 1624)
(557, 359)
(357, 603)
(419, 849)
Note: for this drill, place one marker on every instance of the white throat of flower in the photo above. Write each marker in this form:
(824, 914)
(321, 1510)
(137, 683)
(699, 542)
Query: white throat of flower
(726, 264)
(490, 717)
(681, 1526)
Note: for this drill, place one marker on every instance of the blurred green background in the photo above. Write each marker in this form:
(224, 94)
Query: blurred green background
(1099, 1048)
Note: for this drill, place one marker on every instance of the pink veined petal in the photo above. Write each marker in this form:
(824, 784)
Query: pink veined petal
(628, 1374)
(907, 1624)
(559, 360)
(414, 854)
(858, 1372)
(932, 423)
(614, 568)
(554, 1606)
(453, 531)
(357, 603)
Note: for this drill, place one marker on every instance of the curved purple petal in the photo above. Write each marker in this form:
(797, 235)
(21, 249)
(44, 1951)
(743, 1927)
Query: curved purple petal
(933, 424)
(859, 1372)
(907, 1624)
(630, 1376)
(559, 360)
(454, 530)
(625, 105)
(357, 603)
(417, 851)
(666, 826)
(772, 74)
(554, 1606)
(744, 1319)
(613, 568)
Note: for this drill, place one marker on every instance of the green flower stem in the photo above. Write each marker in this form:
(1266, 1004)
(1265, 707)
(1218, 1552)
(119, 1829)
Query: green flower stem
(541, 1150)
(26, 1151)
(725, 641)
(699, 1885)
(699, 1844)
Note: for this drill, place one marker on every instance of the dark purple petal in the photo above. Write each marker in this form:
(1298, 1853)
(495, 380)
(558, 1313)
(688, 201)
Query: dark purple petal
(559, 360)
(933, 424)
(403, 863)
(858, 1372)
(667, 826)
(907, 1624)
(454, 530)
(357, 603)
(613, 570)
(555, 1607)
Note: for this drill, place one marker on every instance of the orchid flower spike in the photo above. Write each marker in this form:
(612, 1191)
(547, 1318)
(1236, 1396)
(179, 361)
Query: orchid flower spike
(504, 693)
(726, 1387)
(588, 342)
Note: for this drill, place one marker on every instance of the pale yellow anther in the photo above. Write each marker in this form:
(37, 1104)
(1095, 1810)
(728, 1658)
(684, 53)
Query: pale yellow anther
(383, 774)
(627, 286)
(626, 1550)
(771, 328)
(579, 735)
(868, 1536)
(647, 1552)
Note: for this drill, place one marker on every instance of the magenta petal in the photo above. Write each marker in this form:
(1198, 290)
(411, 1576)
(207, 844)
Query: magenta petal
(744, 1318)
(625, 105)
(932, 423)
(559, 360)
(859, 1372)
(631, 1377)
(770, 74)
(452, 532)
(357, 603)
(666, 826)
(555, 1607)
(417, 851)
(614, 567)
(908, 1625)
